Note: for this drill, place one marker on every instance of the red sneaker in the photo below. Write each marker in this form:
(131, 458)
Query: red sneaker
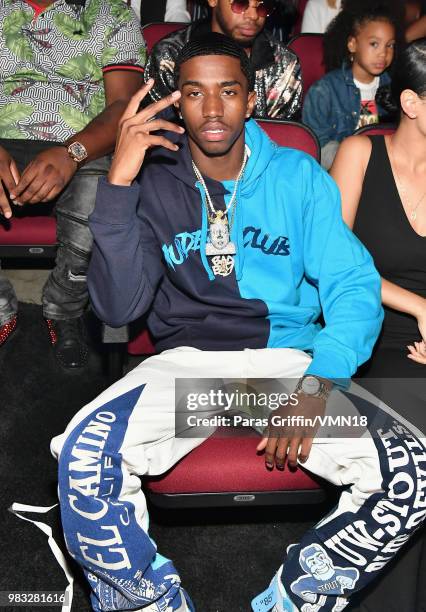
(7, 329)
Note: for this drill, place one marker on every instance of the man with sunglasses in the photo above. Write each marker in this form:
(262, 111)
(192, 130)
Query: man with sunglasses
(278, 82)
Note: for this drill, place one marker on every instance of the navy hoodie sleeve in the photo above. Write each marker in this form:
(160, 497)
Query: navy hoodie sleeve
(126, 264)
(348, 284)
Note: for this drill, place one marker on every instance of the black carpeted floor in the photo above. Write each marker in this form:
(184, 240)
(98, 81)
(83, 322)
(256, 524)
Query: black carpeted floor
(225, 556)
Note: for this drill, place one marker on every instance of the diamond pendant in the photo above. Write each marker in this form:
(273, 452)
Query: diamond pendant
(219, 239)
(222, 265)
(413, 215)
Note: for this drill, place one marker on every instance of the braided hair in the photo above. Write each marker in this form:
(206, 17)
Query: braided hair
(214, 43)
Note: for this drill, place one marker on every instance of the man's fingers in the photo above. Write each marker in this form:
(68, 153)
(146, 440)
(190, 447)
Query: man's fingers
(262, 444)
(305, 449)
(55, 191)
(281, 453)
(4, 203)
(30, 191)
(150, 111)
(26, 179)
(9, 176)
(293, 451)
(14, 171)
(136, 99)
(7, 179)
(270, 449)
(159, 124)
(41, 193)
(161, 141)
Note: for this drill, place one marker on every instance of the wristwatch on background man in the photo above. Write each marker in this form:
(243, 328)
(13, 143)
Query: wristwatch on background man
(312, 386)
(77, 151)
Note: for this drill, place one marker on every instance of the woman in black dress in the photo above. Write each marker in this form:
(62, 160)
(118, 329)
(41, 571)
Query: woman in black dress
(382, 180)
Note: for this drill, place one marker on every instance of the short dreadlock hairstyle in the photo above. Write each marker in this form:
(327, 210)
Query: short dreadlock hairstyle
(355, 14)
(214, 43)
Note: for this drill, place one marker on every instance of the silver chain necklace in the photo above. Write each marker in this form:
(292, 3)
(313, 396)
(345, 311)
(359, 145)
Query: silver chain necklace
(412, 210)
(219, 242)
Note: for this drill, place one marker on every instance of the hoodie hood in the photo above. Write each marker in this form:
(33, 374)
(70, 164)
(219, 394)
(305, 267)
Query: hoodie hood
(261, 150)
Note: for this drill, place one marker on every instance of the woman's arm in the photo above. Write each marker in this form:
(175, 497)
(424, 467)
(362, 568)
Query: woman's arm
(405, 301)
(348, 170)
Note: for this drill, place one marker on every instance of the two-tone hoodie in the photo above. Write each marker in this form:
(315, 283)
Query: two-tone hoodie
(296, 259)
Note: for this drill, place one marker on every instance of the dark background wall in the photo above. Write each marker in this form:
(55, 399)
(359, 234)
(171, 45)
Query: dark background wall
(152, 10)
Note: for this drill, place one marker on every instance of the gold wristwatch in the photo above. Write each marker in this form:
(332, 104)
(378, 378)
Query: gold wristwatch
(77, 151)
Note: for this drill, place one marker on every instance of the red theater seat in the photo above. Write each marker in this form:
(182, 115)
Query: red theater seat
(309, 50)
(226, 471)
(291, 134)
(378, 129)
(28, 237)
(153, 32)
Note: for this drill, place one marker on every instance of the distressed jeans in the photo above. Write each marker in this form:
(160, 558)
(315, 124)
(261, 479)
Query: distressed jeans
(65, 293)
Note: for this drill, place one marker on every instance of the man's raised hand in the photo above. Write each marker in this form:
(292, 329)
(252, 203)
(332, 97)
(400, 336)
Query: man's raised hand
(135, 138)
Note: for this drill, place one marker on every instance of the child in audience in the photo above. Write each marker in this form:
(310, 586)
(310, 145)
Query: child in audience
(358, 48)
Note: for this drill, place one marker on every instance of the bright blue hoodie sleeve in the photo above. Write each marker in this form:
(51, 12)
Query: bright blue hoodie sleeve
(348, 284)
(126, 264)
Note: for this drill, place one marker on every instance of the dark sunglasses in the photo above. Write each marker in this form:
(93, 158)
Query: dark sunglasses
(264, 7)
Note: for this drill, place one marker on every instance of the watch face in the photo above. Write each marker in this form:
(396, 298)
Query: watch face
(310, 385)
(77, 151)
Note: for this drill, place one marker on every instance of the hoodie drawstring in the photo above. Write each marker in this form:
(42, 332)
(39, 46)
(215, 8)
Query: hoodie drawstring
(238, 237)
(204, 230)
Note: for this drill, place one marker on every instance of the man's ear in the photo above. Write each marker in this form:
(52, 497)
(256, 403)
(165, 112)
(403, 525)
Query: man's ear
(251, 102)
(212, 3)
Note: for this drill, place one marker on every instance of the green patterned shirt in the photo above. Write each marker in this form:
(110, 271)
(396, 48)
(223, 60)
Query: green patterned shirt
(52, 63)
